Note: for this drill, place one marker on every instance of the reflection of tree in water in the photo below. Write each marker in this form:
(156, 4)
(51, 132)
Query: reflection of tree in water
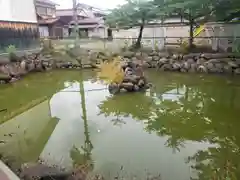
(118, 121)
(203, 116)
(82, 157)
(205, 113)
(136, 105)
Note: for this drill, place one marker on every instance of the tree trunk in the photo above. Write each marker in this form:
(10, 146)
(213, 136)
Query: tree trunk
(191, 35)
(139, 39)
(191, 22)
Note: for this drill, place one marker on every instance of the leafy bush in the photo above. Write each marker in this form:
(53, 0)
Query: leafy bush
(111, 72)
(11, 50)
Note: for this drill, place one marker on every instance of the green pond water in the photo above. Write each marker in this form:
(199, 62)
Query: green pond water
(186, 126)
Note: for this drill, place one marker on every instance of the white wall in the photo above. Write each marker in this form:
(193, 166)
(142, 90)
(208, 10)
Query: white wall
(43, 31)
(98, 32)
(18, 10)
(219, 29)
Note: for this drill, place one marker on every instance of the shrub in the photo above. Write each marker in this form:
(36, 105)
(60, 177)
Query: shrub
(11, 50)
(111, 72)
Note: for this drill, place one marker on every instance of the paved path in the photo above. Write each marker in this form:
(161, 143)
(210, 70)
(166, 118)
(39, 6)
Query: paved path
(6, 173)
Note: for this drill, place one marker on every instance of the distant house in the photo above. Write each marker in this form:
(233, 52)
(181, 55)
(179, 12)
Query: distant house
(49, 24)
(18, 23)
(90, 21)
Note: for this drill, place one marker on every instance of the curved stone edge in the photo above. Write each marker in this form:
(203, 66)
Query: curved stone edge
(6, 173)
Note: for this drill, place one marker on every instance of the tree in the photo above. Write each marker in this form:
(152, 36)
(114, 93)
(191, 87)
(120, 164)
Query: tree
(133, 13)
(226, 10)
(191, 10)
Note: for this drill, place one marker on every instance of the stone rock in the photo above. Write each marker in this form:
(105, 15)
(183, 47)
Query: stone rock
(162, 55)
(113, 88)
(138, 55)
(175, 56)
(154, 53)
(132, 78)
(237, 71)
(126, 59)
(214, 61)
(23, 65)
(201, 61)
(233, 64)
(149, 58)
(176, 66)
(5, 78)
(141, 83)
(163, 60)
(190, 61)
(227, 69)
(214, 56)
(128, 54)
(214, 70)
(128, 86)
(134, 59)
(166, 67)
(219, 65)
(190, 56)
(154, 64)
(186, 65)
(155, 58)
(136, 87)
(193, 68)
(144, 55)
(237, 62)
(146, 64)
(209, 65)
(202, 68)
(183, 70)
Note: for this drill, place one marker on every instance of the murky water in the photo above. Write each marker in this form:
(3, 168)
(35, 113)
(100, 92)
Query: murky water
(186, 126)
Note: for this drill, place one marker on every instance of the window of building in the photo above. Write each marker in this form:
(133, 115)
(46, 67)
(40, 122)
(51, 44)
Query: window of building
(42, 10)
(50, 11)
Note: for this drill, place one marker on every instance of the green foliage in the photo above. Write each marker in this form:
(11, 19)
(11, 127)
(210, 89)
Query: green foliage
(133, 13)
(11, 50)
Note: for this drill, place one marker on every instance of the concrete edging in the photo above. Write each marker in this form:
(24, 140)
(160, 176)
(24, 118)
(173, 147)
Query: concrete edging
(6, 173)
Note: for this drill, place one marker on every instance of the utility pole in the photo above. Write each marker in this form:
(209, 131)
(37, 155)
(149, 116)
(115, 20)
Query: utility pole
(75, 19)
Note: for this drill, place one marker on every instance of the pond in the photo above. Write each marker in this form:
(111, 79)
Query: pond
(186, 126)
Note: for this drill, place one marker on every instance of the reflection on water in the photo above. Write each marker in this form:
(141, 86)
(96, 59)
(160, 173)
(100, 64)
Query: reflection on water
(183, 127)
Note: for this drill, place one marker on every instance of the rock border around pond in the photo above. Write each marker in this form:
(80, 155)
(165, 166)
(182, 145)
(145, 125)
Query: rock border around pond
(217, 63)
